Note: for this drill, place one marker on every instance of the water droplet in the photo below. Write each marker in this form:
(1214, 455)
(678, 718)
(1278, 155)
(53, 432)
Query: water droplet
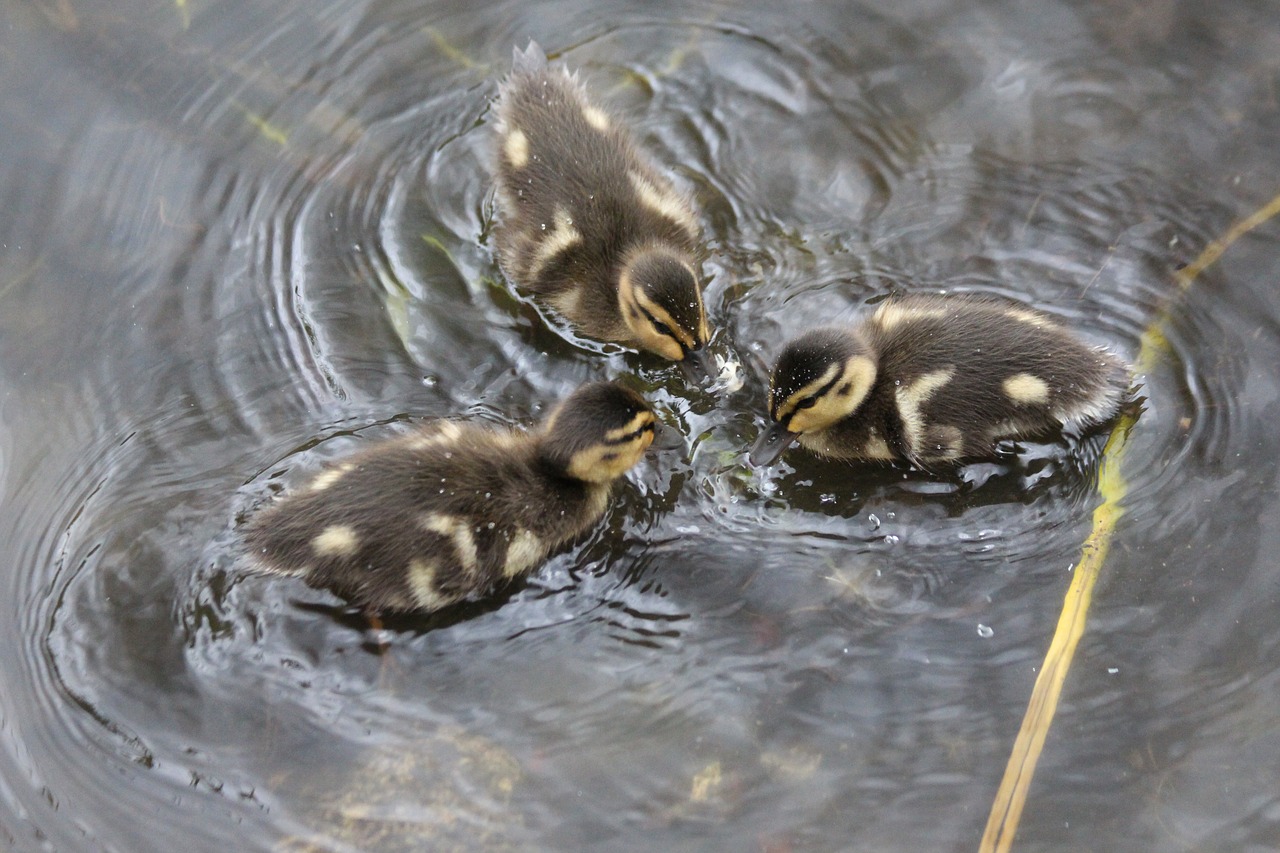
(430, 381)
(827, 498)
(984, 631)
(543, 226)
(875, 521)
(488, 494)
(1112, 670)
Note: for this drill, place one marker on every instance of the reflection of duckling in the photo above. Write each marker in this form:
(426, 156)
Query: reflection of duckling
(588, 224)
(936, 379)
(424, 520)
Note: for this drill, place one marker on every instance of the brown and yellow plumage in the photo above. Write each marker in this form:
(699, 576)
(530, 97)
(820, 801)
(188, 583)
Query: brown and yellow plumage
(934, 379)
(427, 519)
(587, 223)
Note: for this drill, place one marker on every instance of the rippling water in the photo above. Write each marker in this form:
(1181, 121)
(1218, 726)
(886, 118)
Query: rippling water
(242, 239)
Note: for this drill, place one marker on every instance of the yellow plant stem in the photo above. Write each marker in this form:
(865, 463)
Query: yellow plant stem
(1002, 824)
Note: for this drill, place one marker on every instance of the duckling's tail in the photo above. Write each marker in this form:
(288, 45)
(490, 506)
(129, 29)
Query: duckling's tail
(528, 61)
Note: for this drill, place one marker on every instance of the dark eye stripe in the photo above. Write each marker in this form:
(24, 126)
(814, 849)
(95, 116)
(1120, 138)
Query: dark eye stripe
(814, 397)
(633, 435)
(664, 330)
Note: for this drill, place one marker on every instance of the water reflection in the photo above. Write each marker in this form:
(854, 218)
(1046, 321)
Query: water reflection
(246, 238)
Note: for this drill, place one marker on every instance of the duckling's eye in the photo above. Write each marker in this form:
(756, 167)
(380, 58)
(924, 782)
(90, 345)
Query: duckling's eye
(807, 403)
(663, 329)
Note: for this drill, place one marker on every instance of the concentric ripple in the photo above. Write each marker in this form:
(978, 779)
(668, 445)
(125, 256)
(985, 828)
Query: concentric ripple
(248, 239)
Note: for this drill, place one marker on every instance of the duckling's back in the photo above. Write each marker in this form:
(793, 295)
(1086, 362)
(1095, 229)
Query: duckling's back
(966, 371)
(576, 195)
(423, 521)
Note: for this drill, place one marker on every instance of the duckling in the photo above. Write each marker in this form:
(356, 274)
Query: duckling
(587, 223)
(421, 521)
(935, 379)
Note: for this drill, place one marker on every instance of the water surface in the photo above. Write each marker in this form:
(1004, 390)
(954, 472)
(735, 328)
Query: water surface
(242, 239)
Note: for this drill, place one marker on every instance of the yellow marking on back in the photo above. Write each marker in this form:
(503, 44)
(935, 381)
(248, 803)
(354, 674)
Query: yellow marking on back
(336, 540)
(516, 148)
(325, 479)
(1024, 316)
(422, 581)
(444, 432)
(525, 550)
(877, 448)
(458, 530)
(892, 314)
(1026, 390)
(561, 237)
(911, 398)
(595, 117)
(665, 203)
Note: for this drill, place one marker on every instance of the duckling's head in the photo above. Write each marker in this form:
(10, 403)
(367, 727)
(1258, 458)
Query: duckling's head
(661, 304)
(598, 433)
(821, 377)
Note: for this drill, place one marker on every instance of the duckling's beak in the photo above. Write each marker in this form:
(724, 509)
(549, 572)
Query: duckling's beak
(699, 364)
(770, 445)
(666, 437)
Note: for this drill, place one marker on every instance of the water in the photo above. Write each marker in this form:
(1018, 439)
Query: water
(242, 239)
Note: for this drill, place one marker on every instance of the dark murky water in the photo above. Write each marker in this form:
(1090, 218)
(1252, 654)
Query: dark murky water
(242, 238)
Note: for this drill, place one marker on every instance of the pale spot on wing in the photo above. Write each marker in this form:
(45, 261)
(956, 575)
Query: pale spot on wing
(877, 448)
(1030, 317)
(561, 237)
(1026, 390)
(944, 442)
(596, 118)
(665, 203)
(325, 479)
(516, 147)
(336, 540)
(444, 432)
(458, 530)
(525, 550)
(912, 397)
(422, 581)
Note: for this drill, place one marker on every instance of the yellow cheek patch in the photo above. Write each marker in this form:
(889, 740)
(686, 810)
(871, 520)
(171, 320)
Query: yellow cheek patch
(602, 463)
(787, 406)
(336, 540)
(662, 316)
(636, 423)
(847, 385)
(1026, 390)
(634, 303)
(516, 148)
